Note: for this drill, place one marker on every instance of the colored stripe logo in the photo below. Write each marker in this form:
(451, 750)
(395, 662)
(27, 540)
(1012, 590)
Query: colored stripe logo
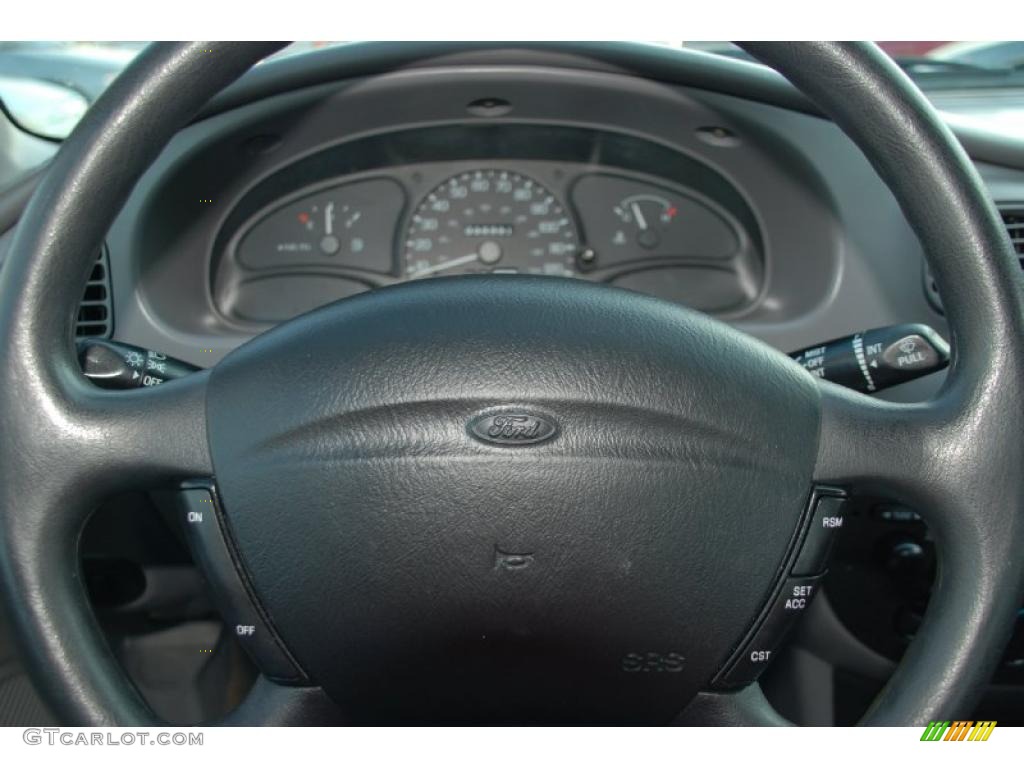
(958, 730)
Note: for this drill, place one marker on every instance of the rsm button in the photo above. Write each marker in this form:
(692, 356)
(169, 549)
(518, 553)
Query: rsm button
(826, 522)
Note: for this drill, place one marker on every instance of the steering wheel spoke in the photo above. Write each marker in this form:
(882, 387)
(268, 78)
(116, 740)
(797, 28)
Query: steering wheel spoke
(142, 438)
(745, 707)
(879, 447)
(269, 703)
(106, 442)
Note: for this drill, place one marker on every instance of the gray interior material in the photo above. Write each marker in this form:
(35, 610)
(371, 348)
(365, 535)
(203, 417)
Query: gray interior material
(846, 261)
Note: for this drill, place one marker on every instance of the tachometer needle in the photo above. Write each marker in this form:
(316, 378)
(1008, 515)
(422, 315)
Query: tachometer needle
(445, 265)
(638, 215)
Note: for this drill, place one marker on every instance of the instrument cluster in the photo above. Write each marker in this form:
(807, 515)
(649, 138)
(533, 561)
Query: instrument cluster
(346, 235)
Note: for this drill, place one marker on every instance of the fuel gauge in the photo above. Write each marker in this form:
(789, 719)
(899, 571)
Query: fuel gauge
(350, 225)
(340, 221)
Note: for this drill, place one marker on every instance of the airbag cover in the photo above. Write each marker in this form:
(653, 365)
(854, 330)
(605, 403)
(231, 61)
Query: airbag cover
(421, 571)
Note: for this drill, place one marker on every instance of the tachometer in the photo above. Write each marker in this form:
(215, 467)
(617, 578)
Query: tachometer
(490, 221)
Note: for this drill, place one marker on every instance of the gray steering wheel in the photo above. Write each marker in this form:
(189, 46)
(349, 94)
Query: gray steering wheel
(658, 508)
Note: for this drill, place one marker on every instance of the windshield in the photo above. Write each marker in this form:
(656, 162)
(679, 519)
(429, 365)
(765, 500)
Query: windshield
(971, 83)
(981, 81)
(934, 65)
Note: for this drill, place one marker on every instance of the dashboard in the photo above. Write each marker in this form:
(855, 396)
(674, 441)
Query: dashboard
(721, 192)
(717, 203)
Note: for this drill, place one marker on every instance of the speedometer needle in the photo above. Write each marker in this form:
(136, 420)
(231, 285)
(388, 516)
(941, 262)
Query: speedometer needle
(445, 265)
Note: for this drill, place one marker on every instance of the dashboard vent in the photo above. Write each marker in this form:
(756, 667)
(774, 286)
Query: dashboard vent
(1013, 218)
(95, 313)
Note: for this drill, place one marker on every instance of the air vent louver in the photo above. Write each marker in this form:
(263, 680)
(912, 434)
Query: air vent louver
(1013, 218)
(95, 313)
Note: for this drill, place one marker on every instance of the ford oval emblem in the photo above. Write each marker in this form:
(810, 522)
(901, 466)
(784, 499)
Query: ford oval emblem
(512, 428)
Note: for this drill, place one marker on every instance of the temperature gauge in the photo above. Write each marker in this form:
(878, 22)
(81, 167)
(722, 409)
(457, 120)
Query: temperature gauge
(628, 219)
(644, 217)
(349, 225)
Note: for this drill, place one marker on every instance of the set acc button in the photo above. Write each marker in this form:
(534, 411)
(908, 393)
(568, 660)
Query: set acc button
(759, 650)
(800, 596)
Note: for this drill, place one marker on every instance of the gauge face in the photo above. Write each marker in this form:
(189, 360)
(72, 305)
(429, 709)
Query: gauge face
(350, 225)
(490, 221)
(628, 219)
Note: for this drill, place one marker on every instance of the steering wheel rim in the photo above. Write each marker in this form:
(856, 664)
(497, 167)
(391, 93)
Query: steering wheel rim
(958, 455)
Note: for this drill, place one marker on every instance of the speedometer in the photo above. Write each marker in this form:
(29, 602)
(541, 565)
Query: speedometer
(490, 221)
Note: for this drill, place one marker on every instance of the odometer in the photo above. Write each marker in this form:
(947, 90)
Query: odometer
(490, 221)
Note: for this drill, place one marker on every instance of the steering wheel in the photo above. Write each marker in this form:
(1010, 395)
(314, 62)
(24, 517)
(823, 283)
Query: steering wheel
(511, 499)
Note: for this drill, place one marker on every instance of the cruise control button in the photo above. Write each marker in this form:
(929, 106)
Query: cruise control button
(201, 519)
(760, 649)
(825, 525)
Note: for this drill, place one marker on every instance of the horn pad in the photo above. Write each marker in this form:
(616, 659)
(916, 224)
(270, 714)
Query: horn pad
(511, 499)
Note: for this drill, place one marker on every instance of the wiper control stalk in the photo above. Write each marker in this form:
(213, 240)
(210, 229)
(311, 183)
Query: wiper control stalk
(877, 359)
